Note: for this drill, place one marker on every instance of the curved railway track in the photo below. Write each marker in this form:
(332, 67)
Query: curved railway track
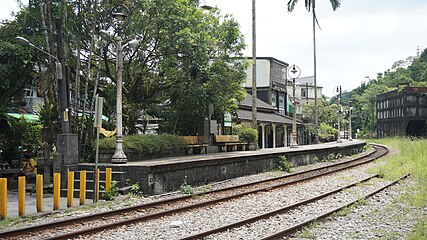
(292, 229)
(94, 223)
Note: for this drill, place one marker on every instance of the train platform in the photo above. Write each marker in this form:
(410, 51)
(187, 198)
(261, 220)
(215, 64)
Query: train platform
(168, 174)
(234, 154)
(157, 176)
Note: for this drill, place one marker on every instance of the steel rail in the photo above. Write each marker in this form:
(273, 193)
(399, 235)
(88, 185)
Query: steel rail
(306, 223)
(78, 220)
(192, 206)
(273, 212)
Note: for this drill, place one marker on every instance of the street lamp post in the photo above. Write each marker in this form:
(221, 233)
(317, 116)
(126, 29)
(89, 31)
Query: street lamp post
(294, 72)
(338, 90)
(350, 138)
(66, 142)
(119, 155)
(119, 13)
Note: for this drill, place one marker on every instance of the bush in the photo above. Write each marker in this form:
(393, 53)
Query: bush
(327, 133)
(246, 134)
(284, 164)
(148, 144)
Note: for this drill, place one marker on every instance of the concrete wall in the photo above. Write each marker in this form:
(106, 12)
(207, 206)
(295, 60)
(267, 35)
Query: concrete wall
(165, 176)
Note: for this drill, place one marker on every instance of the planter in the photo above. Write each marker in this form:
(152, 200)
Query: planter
(252, 146)
(105, 155)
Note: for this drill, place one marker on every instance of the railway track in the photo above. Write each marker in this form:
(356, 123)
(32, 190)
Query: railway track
(107, 220)
(292, 229)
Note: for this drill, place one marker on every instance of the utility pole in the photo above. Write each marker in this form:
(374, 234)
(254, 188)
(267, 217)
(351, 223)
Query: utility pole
(339, 114)
(63, 101)
(67, 143)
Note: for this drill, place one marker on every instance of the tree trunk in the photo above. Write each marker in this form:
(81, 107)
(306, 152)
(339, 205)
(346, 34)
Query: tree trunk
(254, 85)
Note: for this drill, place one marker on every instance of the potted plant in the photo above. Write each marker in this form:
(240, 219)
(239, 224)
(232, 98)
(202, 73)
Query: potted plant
(249, 135)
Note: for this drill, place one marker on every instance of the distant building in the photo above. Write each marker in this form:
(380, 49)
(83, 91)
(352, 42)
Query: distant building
(274, 90)
(33, 103)
(271, 77)
(274, 130)
(305, 89)
(402, 112)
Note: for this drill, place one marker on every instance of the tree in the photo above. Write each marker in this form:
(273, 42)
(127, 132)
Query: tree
(310, 5)
(186, 58)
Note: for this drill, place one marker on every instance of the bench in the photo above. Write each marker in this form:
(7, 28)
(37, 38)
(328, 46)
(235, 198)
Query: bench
(10, 174)
(228, 143)
(195, 144)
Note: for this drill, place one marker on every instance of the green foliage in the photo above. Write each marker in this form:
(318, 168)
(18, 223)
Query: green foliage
(112, 194)
(327, 133)
(186, 188)
(186, 58)
(148, 144)
(245, 133)
(284, 164)
(420, 231)
(135, 189)
(21, 136)
(409, 159)
(409, 72)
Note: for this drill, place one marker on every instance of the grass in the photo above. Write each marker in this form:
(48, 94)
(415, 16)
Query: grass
(410, 157)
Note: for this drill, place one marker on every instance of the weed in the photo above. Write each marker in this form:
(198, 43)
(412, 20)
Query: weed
(128, 181)
(420, 231)
(343, 212)
(284, 164)
(112, 194)
(307, 234)
(186, 188)
(135, 189)
(315, 159)
(4, 223)
(361, 202)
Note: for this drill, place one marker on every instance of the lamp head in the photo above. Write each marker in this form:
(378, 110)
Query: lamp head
(105, 35)
(119, 15)
(206, 6)
(23, 41)
(133, 43)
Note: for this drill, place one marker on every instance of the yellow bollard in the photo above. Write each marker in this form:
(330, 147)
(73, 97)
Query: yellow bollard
(56, 191)
(108, 176)
(21, 195)
(70, 189)
(3, 198)
(97, 185)
(39, 193)
(82, 187)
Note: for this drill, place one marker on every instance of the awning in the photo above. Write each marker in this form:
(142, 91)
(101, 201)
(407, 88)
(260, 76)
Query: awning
(27, 116)
(246, 115)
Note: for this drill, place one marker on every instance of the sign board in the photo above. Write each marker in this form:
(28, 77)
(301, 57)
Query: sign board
(99, 102)
(227, 119)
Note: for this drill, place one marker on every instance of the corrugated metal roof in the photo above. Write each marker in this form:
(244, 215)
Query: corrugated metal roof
(265, 117)
(247, 102)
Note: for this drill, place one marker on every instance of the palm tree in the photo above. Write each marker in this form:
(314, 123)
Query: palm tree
(310, 6)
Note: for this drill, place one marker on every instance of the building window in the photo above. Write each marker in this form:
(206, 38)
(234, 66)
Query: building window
(273, 99)
(303, 92)
(282, 102)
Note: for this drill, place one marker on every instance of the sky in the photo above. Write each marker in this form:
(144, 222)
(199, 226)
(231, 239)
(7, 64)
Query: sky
(358, 40)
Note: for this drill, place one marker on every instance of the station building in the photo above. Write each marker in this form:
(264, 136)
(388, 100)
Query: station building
(275, 94)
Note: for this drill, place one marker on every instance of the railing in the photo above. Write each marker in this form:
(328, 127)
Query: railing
(56, 191)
